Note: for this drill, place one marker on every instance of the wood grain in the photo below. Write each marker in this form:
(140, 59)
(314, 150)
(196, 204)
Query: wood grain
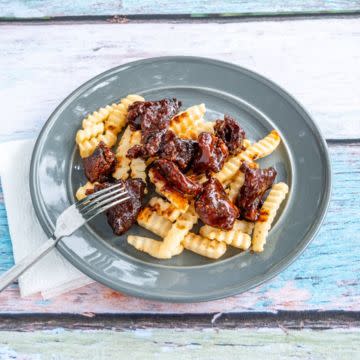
(317, 61)
(182, 344)
(325, 277)
(310, 320)
(48, 8)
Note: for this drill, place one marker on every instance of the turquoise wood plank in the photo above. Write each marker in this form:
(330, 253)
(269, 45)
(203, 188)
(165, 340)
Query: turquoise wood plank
(185, 344)
(49, 8)
(6, 258)
(325, 277)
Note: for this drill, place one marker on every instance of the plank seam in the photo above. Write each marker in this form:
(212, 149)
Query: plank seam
(122, 18)
(354, 141)
(316, 320)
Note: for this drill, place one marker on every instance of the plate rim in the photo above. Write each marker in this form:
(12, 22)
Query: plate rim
(220, 293)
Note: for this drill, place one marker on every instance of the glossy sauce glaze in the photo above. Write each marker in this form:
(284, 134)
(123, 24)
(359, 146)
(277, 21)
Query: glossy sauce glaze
(122, 216)
(214, 207)
(153, 119)
(231, 133)
(256, 183)
(175, 178)
(211, 154)
(179, 151)
(100, 165)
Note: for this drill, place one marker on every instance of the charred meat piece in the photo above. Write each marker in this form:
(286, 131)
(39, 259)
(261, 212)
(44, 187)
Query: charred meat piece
(134, 114)
(230, 132)
(250, 198)
(211, 154)
(100, 165)
(177, 150)
(137, 151)
(214, 207)
(175, 178)
(153, 118)
(172, 148)
(122, 216)
(152, 115)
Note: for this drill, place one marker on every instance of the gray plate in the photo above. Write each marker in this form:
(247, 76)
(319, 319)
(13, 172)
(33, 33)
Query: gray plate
(259, 105)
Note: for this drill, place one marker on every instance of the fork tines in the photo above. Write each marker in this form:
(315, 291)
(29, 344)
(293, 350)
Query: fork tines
(102, 200)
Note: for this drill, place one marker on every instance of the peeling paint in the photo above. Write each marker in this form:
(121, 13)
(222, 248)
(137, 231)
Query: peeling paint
(186, 344)
(326, 276)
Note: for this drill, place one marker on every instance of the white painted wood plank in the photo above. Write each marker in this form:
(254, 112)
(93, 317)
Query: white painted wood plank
(181, 344)
(33, 8)
(315, 60)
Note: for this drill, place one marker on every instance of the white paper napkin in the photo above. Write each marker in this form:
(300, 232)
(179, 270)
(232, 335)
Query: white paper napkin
(52, 275)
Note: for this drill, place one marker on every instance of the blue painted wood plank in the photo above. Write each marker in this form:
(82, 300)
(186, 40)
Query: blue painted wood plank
(48, 8)
(325, 277)
(6, 257)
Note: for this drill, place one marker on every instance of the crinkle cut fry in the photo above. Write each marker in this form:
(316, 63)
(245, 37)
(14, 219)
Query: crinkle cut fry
(164, 208)
(138, 165)
(255, 151)
(151, 246)
(246, 143)
(122, 167)
(117, 119)
(267, 214)
(185, 124)
(87, 139)
(154, 222)
(235, 185)
(160, 226)
(93, 124)
(103, 125)
(178, 231)
(234, 237)
(264, 147)
(209, 248)
(81, 191)
(204, 126)
(244, 226)
(238, 237)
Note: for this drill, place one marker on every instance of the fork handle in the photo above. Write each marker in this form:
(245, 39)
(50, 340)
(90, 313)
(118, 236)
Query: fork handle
(11, 275)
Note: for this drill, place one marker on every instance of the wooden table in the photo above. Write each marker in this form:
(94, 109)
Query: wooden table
(311, 48)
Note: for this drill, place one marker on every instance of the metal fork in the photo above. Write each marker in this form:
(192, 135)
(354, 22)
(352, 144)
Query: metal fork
(69, 221)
